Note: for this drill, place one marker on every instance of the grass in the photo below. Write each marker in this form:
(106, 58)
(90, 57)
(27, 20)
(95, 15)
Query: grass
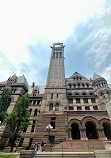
(8, 156)
(7, 151)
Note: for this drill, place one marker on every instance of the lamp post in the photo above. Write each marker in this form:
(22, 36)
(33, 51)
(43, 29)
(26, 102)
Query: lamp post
(49, 128)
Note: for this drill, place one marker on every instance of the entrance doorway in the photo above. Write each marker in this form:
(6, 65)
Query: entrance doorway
(107, 130)
(75, 131)
(91, 131)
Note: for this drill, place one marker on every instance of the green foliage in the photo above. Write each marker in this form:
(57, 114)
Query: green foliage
(18, 119)
(4, 103)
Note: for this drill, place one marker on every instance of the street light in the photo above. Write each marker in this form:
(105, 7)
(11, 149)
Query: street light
(49, 128)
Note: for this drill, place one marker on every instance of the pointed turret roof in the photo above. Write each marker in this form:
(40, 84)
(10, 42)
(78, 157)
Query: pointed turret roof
(96, 76)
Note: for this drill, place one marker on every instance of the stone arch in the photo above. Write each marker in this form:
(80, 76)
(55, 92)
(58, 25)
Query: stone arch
(74, 121)
(106, 125)
(90, 119)
(77, 93)
(74, 126)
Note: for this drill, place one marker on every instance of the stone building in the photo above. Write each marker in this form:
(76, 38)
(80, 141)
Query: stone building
(75, 107)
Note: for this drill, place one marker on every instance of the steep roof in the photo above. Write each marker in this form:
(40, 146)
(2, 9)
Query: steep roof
(96, 76)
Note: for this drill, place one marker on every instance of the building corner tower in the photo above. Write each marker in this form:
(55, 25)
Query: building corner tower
(54, 98)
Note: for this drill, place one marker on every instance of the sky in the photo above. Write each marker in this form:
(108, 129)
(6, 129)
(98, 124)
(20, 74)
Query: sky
(29, 27)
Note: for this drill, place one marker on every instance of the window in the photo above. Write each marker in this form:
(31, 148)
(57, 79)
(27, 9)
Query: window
(60, 54)
(79, 108)
(74, 86)
(57, 107)
(69, 93)
(70, 86)
(52, 96)
(95, 107)
(85, 100)
(77, 100)
(91, 93)
(78, 85)
(87, 85)
(57, 96)
(70, 101)
(38, 102)
(35, 113)
(93, 100)
(77, 78)
(56, 54)
(87, 108)
(76, 93)
(33, 126)
(84, 94)
(71, 108)
(53, 120)
(25, 129)
(34, 102)
(83, 85)
(51, 107)
(53, 54)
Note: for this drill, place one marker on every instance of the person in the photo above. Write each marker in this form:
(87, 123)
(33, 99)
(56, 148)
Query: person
(36, 146)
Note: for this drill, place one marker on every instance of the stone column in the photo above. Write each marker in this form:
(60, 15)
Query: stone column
(69, 133)
(83, 133)
(101, 134)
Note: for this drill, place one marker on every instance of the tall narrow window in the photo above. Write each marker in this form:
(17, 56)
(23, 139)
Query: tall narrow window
(51, 107)
(85, 100)
(60, 54)
(33, 126)
(52, 96)
(57, 96)
(53, 120)
(57, 107)
(77, 100)
(53, 54)
(93, 100)
(56, 54)
(35, 113)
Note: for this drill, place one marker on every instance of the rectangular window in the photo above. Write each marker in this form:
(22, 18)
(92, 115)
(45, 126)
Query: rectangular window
(95, 107)
(30, 111)
(85, 100)
(57, 96)
(77, 100)
(52, 96)
(35, 113)
(53, 120)
(87, 108)
(71, 108)
(34, 102)
(93, 100)
(70, 101)
(79, 108)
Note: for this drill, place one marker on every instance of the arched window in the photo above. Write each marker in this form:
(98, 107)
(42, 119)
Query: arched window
(56, 54)
(84, 94)
(60, 54)
(78, 84)
(87, 85)
(70, 94)
(77, 78)
(76, 93)
(83, 85)
(57, 107)
(74, 86)
(70, 86)
(51, 107)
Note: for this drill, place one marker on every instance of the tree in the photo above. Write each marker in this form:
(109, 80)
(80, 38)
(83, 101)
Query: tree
(18, 119)
(4, 103)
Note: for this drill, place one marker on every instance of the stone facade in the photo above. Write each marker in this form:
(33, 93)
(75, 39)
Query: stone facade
(75, 107)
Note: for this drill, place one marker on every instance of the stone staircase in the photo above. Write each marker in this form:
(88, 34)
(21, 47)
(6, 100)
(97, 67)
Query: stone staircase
(79, 146)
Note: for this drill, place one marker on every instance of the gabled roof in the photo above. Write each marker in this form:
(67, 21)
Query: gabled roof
(79, 75)
(22, 79)
(96, 76)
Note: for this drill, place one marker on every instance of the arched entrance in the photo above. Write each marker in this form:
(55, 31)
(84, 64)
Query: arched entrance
(91, 131)
(75, 133)
(107, 130)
